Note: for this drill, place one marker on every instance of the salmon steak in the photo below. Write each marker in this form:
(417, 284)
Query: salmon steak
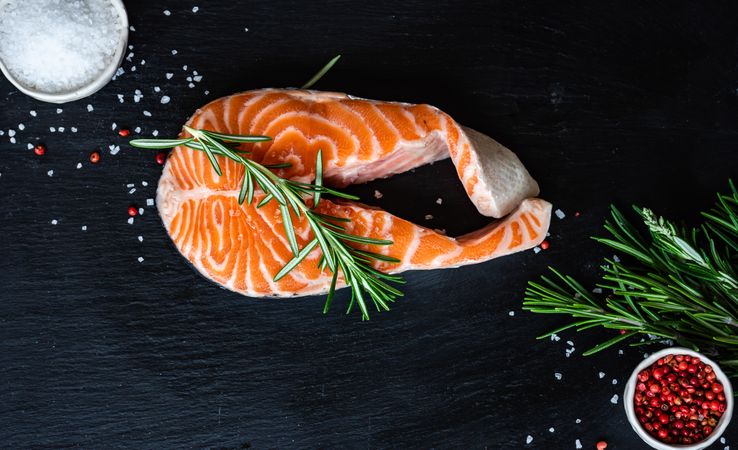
(242, 247)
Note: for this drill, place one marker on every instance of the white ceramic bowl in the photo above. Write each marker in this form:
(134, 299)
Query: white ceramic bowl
(628, 401)
(96, 84)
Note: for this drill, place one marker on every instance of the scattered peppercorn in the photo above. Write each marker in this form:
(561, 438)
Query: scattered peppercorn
(95, 157)
(39, 149)
(161, 158)
(132, 211)
(678, 399)
(123, 132)
(544, 245)
(602, 445)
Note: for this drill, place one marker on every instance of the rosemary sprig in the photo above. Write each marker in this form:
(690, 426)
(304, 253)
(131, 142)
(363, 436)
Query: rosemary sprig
(677, 283)
(298, 199)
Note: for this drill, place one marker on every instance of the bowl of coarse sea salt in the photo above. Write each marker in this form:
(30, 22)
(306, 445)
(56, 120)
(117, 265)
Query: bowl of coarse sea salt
(59, 51)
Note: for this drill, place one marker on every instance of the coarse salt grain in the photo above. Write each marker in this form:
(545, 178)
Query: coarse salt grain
(174, 52)
(195, 9)
(21, 127)
(560, 214)
(529, 439)
(84, 227)
(144, 183)
(130, 221)
(167, 12)
(90, 108)
(149, 202)
(578, 444)
(601, 375)
(165, 99)
(140, 259)
(79, 165)
(511, 313)
(58, 46)
(614, 399)
(169, 76)
(558, 376)
(74, 129)
(146, 113)
(54, 222)
(140, 239)
(140, 211)
(50, 173)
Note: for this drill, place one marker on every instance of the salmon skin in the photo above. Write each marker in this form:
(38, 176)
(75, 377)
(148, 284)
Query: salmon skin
(241, 247)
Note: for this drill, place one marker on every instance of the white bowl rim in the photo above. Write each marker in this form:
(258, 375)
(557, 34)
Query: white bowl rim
(94, 85)
(628, 401)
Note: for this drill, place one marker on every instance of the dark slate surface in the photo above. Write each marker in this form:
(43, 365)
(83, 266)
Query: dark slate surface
(604, 102)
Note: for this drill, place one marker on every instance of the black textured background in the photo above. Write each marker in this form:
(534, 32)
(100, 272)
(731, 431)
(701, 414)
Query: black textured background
(624, 102)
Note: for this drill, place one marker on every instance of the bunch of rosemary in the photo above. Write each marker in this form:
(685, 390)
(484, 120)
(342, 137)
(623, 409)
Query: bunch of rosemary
(674, 283)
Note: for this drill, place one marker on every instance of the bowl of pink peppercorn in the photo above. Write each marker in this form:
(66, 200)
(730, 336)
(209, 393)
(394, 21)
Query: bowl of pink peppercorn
(678, 399)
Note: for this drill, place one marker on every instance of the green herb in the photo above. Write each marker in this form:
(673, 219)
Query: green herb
(330, 235)
(675, 283)
(321, 72)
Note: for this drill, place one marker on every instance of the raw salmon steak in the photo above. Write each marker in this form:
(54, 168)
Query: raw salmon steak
(241, 247)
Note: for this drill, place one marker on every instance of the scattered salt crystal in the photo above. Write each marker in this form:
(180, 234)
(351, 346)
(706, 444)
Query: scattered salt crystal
(146, 113)
(157, 89)
(555, 337)
(79, 165)
(2, 132)
(140, 259)
(207, 92)
(12, 140)
(597, 291)
(560, 214)
(143, 62)
(130, 185)
(615, 258)
(21, 127)
(90, 108)
(132, 190)
(140, 239)
(551, 430)
(30, 146)
(50, 173)
(169, 76)
(114, 149)
(195, 9)
(620, 352)
(378, 194)
(614, 399)
(428, 217)
(439, 200)
(11, 133)
(601, 375)
(137, 130)
(165, 99)
(511, 313)
(61, 129)
(578, 421)
(144, 183)
(130, 221)
(32, 113)
(614, 381)
(129, 58)
(140, 211)
(167, 12)
(149, 202)
(191, 85)
(722, 440)
(536, 249)
(558, 376)
(114, 126)
(131, 28)
(194, 72)
(189, 78)
(84, 227)
(120, 98)
(246, 30)
(54, 221)
(569, 351)
(155, 133)
(197, 78)
(133, 68)
(74, 129)
(570, 343)
(184, 67)
(529, 439)
(174, 52)
(578, 444)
